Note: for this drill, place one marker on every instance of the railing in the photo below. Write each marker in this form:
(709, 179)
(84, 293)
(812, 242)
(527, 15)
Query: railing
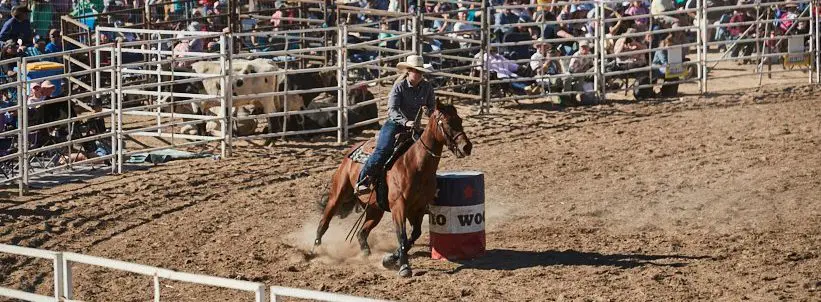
(64, 278)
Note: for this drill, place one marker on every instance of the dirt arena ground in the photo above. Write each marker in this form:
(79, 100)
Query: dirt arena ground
(712, 198)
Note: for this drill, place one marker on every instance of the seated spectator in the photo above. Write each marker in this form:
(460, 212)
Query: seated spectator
(281, 12)
(39, 93)
(787, 17)
(660, 6)
(55, 42)
(18, 27)
(522, 13)
(630, 44)
(571, 30)
(502, 68)
(36, 49)
(741, 32)
(5, 10)
(504, 20)
(542, 63)
(661, 58)
(461, 25)
(11, 50)
(637, 8)
(579, 63)
(442, 26)
(385, 35)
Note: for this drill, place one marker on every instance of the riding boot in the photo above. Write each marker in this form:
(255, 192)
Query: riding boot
(363, 186)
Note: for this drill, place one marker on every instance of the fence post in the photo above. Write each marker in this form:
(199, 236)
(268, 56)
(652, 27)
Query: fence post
(119, 107)
(97, 73)
(601, 82)
(156, 288)
(484, 85)
(815, 20)
(259, 294)
(415, 39)
(810, 70)
(418, 24)
(23, 123)
(704, 38)
(58, 275)
(68, 292)
(225, 83)
(112, 104)
(342, 80)
(699, 41)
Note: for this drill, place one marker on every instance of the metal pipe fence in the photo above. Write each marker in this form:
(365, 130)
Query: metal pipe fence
(137, 95)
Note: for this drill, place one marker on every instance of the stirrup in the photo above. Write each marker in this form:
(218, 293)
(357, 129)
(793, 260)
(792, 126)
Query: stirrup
(361, 189)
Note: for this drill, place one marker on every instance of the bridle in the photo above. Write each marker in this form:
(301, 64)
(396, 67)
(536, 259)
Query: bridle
(450, 141)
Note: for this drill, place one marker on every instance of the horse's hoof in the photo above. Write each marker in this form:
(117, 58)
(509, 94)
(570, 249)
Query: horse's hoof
(389, 260)
(366, 252)
(405, 271)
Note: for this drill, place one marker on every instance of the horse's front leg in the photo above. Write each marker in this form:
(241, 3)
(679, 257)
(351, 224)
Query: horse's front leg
(398, 211)
(390, 260)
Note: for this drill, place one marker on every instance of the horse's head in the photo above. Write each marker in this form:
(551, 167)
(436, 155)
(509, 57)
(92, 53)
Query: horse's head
(447, 128)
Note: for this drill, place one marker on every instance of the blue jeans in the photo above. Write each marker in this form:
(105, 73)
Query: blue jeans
(384, 148)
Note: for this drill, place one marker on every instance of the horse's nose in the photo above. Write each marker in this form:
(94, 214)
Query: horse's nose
(467, 148)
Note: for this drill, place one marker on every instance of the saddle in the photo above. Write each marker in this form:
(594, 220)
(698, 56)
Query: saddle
(363, 151)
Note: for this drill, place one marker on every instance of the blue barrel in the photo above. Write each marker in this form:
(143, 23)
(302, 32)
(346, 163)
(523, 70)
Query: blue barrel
(457, 216)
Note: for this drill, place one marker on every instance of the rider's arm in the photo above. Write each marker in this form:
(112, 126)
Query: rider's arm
(394, 101)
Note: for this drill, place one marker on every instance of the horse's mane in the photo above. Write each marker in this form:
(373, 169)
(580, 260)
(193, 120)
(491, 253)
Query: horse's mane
(446, 109)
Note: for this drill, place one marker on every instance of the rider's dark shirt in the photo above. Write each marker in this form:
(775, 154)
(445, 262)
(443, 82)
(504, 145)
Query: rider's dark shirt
(405, 100)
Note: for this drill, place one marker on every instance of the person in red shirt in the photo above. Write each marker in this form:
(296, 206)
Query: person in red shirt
(741, 32)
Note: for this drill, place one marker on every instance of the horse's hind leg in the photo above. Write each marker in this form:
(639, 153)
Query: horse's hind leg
(416, 223)
(372, 217)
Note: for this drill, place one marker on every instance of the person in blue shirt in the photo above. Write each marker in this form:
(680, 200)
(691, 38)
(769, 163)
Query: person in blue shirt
(55, 43)
(18, 27)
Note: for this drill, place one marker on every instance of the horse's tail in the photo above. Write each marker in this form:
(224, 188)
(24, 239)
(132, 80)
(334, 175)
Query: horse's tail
(323, 200)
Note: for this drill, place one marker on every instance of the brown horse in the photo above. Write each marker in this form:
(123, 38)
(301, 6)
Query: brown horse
(411, 182)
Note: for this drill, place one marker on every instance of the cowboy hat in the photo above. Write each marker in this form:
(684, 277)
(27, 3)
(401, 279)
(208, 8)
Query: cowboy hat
(413, 62)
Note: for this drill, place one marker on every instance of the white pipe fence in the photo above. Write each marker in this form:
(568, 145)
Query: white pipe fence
(64, 279)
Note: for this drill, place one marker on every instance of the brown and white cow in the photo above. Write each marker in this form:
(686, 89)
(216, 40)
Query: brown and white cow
(247, 86)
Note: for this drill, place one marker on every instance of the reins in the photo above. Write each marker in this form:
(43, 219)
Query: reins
(451, 140)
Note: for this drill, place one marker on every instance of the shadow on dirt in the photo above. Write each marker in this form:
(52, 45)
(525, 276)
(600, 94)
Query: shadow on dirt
(502, 259)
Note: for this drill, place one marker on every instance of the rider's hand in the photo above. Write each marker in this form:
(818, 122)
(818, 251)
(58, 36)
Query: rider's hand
(410, 124)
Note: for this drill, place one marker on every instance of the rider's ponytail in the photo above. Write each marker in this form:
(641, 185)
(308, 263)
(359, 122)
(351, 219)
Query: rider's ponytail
(401, 77)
